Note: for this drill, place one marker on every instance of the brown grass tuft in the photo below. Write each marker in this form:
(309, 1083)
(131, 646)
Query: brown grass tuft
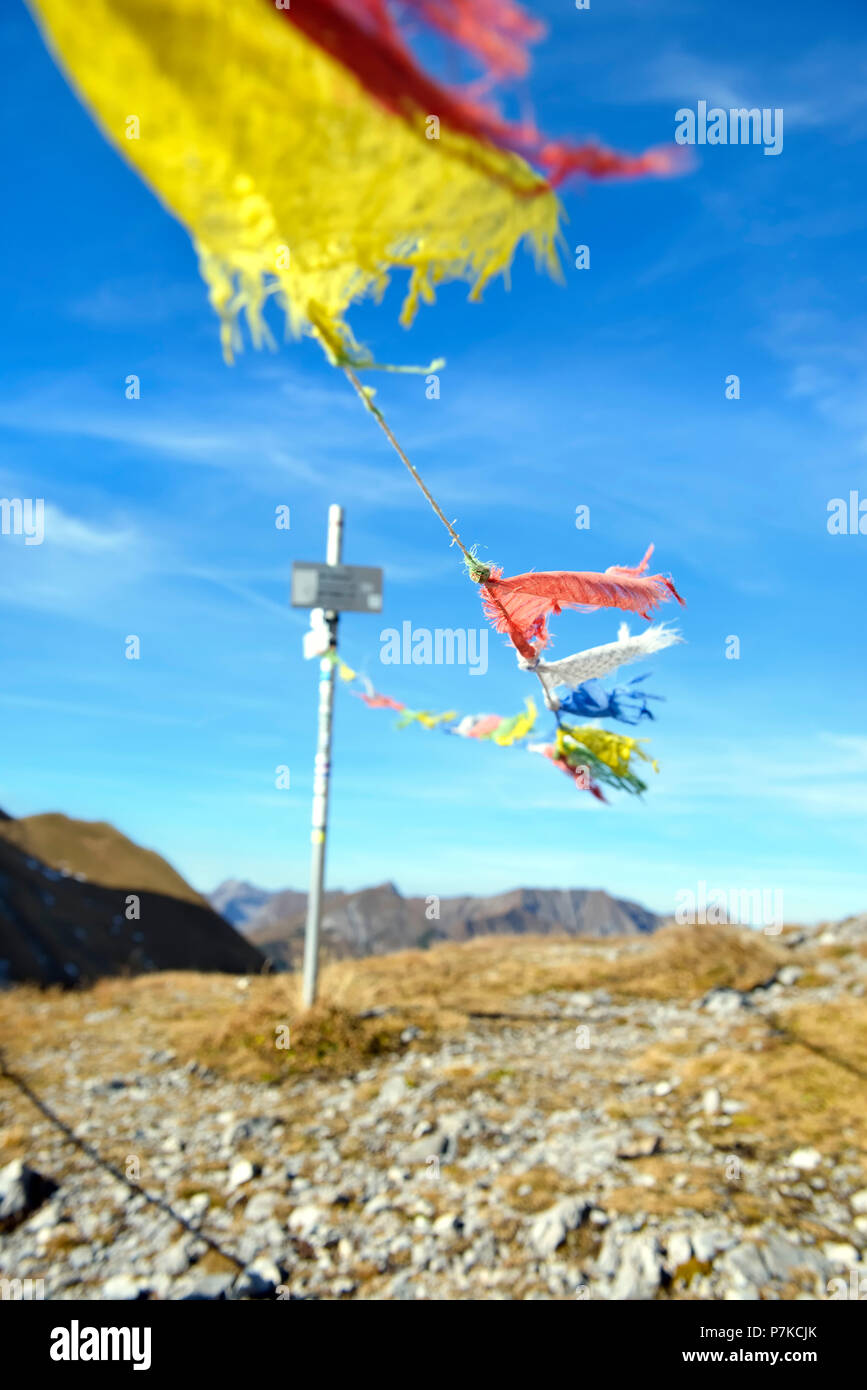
(326, 1040)
(684, 962)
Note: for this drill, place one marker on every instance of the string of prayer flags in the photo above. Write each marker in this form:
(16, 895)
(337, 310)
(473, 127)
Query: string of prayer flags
(295, 143)
(520, 606)
(501, 730)
(425, 718)
(478, 725)
(591, 756)
(345, 672)
(518, 727)
(504, 730)
(624, 702)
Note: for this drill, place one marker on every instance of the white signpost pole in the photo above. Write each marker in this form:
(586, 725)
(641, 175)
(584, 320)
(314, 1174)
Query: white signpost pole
(322, 775)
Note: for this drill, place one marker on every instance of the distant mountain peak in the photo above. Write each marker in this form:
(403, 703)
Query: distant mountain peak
(379, 919)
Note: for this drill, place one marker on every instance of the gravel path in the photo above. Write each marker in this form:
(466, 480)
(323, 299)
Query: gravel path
(548, 1153)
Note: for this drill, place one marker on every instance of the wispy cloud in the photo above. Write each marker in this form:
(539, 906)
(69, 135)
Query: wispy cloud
(87, 537)
(145, 301)
(822, 89)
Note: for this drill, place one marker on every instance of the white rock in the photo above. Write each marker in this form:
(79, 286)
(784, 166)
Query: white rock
(640, 1269)
(743, 1266)
(305, 1220)
(175, 1259)
(393, 1092)
(241, 1172)
(787, 1259)
(259, 1279)
(447, 1225)
(678, 1251)
(858, 1202)
(46, 1219)
(711, 1101)
(840, 1252)
(205, 1287)
(805, 1159)
(551, 1227)
(725, 1003)
(260, 1208)
(123, 1288)
(708, 1241)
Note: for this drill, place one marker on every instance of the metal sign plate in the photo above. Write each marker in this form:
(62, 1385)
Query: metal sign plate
(336, 588)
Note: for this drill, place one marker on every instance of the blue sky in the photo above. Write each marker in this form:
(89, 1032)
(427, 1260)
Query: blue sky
(607, 390)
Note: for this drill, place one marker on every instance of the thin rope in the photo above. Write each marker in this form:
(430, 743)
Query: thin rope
(366, 398)
(476, 569)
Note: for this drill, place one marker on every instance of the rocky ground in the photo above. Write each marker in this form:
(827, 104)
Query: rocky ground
(633, 1139)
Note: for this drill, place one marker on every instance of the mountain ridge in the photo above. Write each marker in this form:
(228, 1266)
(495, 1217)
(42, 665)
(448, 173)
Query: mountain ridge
(378, 919)
(97, 852)
(92, 903)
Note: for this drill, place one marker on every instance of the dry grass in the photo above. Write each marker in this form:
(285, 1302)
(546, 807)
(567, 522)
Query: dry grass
(685, 962)
(481, 976)
(13, 1143)
(545, 1185)
(236, 1031)
(325, 1040)
(804, 1084)
(439, 990)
